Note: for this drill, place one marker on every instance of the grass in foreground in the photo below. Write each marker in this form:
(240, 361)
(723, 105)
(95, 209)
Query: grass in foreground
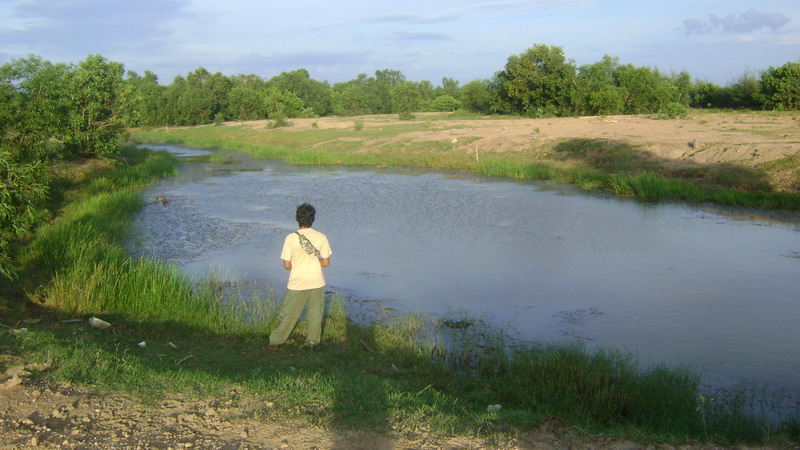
(408, 373)
(592, 164)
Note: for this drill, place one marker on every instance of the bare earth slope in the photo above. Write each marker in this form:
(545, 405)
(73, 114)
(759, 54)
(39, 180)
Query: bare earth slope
(745, 138)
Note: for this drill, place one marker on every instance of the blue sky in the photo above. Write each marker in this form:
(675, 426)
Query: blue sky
(713, 40)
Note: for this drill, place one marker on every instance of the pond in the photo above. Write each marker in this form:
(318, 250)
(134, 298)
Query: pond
(717, 289)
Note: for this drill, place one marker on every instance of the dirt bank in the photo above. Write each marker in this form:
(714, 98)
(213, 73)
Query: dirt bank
(749, 139)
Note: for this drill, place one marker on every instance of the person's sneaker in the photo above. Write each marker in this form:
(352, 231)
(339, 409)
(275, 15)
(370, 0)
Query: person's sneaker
(310, 347)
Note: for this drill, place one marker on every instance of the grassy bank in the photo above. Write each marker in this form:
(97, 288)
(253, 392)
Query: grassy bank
(407, 373)
(592, 164)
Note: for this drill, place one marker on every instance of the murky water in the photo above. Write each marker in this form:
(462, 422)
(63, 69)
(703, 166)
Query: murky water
(669, 282)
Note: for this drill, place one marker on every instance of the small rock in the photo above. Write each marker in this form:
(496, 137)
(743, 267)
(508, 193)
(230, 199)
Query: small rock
(99, 323)
(15, 371)
(13, 381)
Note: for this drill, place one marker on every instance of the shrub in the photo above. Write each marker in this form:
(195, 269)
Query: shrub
(279, 122)
(673, 110)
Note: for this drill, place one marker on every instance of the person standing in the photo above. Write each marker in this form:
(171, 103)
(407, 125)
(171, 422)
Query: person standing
(305, 252)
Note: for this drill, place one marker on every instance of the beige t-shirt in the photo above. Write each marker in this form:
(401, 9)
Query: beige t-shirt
(306, 270)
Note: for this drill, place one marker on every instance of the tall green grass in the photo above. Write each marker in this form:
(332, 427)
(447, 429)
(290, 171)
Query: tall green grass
(88, 272)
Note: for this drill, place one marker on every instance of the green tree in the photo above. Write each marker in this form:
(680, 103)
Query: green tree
(599, 92)
(449, 87)
(405, 99)
(147, 107)
(97, 103)
(172, 94)
(352, 100)
(282, 104)
(381, 87)
(313, 93)
(539, 82)
(34, 108)
(251, 81)
(683, 84)
(476, 96)
(780, 87)
(426, 93)
(194, 106)
(743, 93)
(245, 103)
(645, 91)
(705, 94)
(445, 103)
(206, 90)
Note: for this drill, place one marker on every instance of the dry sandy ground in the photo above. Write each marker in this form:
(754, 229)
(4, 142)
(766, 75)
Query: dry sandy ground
(745, 138)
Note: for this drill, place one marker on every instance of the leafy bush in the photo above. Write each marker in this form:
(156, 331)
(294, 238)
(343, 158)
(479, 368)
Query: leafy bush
(780, 87)
(673, 110)
(279, 122)
(444, 103)
(22, 187)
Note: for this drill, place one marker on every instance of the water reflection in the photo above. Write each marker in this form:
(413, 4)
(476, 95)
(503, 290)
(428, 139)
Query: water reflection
(716, 288)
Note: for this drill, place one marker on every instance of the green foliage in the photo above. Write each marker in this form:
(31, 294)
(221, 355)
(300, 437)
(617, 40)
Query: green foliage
(673, 110)
(450, 87)
(780, 87)
(405, 99)
(744, 92)
(283, 104)
(313, 94)
(279, 121)
(599, 91)
(476, 96)
(246, 103)
(644, 91)
(539, 81)
(444, 103)
(22, 187)
(148, 101)
(97, 100)
(34, 108)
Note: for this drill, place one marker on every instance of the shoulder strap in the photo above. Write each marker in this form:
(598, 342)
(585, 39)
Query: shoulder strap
(307, 245)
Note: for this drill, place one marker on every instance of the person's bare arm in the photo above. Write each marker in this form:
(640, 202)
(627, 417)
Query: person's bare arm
(325, 262)
(287, 265)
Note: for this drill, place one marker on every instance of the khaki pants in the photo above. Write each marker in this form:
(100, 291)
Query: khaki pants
(293, 305)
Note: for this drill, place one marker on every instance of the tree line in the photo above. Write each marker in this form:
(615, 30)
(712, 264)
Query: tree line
(55, 111)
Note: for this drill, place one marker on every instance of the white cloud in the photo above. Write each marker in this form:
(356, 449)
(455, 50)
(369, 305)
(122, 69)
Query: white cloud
(746, 22)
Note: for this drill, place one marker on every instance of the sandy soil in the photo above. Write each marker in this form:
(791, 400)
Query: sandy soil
(746, 138)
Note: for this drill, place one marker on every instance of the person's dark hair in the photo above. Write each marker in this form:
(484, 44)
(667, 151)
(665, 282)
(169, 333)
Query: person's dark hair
(305, 215)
